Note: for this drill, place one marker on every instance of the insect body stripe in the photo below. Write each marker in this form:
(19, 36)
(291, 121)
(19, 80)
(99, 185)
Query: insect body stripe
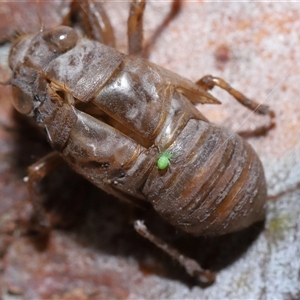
(226, 181)
(189, 159)
(241, 200)
(202, 196)
(233, 193)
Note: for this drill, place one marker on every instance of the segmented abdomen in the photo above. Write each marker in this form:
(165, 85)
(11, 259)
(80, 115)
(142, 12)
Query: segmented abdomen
(215, 183)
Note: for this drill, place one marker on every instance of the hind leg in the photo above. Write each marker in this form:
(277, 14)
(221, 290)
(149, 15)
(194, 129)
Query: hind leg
(190, 265)
(208, 82)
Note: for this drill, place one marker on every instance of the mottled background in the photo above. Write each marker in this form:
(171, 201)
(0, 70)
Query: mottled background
(94, 252)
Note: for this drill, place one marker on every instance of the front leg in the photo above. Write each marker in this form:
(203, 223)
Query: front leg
(36, 173)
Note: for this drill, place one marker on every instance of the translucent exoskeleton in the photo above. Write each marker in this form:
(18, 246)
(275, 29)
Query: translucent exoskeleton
(107, 114)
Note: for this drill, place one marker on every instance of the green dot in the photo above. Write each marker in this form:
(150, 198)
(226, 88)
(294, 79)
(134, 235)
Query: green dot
(164, 160)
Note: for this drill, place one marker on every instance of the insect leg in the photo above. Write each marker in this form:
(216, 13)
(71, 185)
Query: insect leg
(36, 173)
(208, 82)
(175, 9)
(190, 265)
(92, 19)
(135, 26)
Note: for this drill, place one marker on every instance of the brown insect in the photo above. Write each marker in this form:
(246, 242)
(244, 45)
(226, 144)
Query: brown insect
(109, 116)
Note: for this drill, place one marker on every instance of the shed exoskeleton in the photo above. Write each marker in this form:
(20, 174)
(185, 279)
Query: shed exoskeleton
(107, 114)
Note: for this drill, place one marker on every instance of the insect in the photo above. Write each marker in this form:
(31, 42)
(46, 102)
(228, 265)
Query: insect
(164, 160)
(106, 114)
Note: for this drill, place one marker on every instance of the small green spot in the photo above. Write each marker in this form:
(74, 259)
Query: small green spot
(163, 160)
(278, 227)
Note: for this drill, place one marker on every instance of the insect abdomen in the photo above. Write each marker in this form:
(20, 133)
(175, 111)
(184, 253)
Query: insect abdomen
(216, 185)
